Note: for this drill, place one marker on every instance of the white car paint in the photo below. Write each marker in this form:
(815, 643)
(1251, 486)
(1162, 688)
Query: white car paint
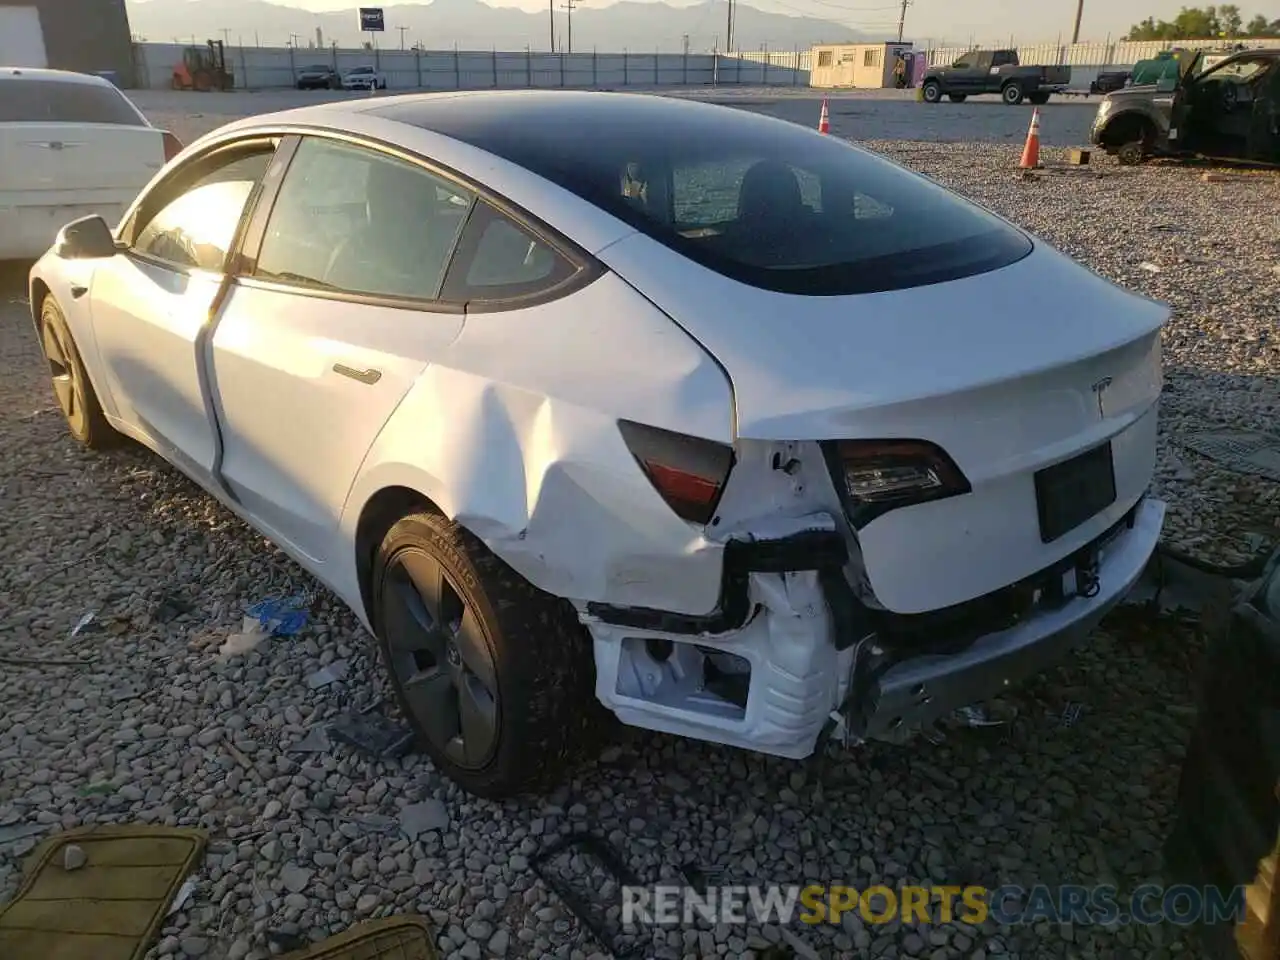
(508, 422)
(362, 78)
(53, 170)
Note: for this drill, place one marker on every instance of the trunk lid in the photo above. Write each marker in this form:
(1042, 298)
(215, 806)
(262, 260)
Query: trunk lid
(1006, 371)
(47, 163)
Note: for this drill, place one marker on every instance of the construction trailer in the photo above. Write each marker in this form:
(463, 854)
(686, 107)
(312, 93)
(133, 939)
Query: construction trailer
(862, 65)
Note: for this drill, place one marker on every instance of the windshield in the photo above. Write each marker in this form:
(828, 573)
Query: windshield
(362, 70)
(25, 100)
(763, 201)
(316, 68)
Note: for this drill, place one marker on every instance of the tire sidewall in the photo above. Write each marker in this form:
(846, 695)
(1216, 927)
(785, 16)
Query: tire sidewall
(1012, 94)
(418, 533)
(51, 315)
(936, 88)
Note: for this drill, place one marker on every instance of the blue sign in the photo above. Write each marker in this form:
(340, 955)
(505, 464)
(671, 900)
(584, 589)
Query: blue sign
(372, 20)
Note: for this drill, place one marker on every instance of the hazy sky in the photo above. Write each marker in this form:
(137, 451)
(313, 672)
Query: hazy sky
(1029, 21)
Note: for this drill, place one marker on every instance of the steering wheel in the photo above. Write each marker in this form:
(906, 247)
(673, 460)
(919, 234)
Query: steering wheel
(1230, 94)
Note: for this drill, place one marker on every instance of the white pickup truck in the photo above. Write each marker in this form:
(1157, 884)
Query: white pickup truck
(71, 145)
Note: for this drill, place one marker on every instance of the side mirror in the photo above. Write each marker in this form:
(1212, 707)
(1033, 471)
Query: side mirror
(88, 238)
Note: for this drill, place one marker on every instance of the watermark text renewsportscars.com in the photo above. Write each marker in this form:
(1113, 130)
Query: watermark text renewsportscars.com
(1007, 905)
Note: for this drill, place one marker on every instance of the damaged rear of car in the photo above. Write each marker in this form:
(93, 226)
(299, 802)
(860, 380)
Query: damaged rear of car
(943, 433)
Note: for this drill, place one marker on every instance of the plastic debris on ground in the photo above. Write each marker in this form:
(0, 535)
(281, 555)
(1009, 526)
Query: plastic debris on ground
(1149, 267)
(182, 896)
(1243, 451)
(587, 873)
(426, 817)
(332, 673)
(281, 616)
(316, 741)
(82, 625)
(1070, 715)
(250, 636)
(374, 734)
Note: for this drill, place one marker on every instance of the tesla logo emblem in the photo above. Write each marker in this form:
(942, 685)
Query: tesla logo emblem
(1099, 389)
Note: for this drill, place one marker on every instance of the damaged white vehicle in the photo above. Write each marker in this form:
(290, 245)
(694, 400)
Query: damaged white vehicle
(580, 398)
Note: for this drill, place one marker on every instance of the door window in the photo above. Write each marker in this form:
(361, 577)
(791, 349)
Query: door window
(197, 227)
(352, 219)
(499, 260)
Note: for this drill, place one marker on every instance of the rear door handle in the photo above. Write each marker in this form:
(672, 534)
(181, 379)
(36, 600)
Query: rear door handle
(369, 376)
(78, 291)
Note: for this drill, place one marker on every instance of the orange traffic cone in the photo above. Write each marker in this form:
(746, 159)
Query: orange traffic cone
(824, 119)
(1031, 152)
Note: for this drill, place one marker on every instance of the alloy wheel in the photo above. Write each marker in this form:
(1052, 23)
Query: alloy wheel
(62, 370)
(441, 659)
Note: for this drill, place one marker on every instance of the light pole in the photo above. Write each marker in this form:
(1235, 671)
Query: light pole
(1075, 34)
(568, 6)
(402, 30)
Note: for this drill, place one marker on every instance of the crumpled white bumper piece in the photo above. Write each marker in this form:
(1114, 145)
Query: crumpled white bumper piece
(798, 677)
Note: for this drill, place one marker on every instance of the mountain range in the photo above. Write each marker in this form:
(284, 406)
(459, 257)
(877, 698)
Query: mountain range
(474, 25)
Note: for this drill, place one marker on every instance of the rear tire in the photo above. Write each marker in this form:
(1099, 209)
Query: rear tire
(957, 97)
(1012, 94)
(931, 91)
(495, 677)
(72, 388)
(1038, 99)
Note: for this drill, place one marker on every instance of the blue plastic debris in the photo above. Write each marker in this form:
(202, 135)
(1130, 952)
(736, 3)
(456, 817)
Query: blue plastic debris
(281, 617)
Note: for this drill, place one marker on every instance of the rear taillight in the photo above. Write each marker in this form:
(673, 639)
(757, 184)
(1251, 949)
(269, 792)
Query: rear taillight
(172, 146)
(688, 472)
(876, 476)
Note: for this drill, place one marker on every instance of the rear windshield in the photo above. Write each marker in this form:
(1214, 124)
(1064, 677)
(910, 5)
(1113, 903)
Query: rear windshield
(765, 202)
(40, 101)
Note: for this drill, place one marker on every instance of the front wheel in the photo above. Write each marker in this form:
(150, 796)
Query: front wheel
(71, 385)
(931, 91)
(496, 678)
(1012, 94)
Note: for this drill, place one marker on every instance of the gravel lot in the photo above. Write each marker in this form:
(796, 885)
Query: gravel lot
(152, 728)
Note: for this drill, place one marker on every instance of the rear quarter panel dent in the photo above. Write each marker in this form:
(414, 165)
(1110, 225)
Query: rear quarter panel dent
(513, 434)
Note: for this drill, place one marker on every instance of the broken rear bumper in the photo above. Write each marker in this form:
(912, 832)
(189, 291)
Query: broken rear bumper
(805, 646)
(923, 689)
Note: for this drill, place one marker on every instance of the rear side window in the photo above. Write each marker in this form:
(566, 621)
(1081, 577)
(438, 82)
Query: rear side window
(355, 220)
(498, 259)
(55, 101)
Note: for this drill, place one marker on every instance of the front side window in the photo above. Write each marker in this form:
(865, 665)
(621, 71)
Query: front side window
(197, 227)
(352, 219)
(964, 63)
(56, 101)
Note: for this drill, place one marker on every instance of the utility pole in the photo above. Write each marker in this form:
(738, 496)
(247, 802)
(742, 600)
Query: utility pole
(728, 32)
(902, 19)
(568, 6)
(1075, 35)
(402, 30)
(684, 39)
(551, 12)
(226, 37)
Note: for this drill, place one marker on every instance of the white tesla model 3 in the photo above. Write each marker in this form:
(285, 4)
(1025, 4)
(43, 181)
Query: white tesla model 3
(581, 398)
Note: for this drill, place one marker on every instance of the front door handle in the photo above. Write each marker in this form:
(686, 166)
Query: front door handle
(369, 376)
(78, 291)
